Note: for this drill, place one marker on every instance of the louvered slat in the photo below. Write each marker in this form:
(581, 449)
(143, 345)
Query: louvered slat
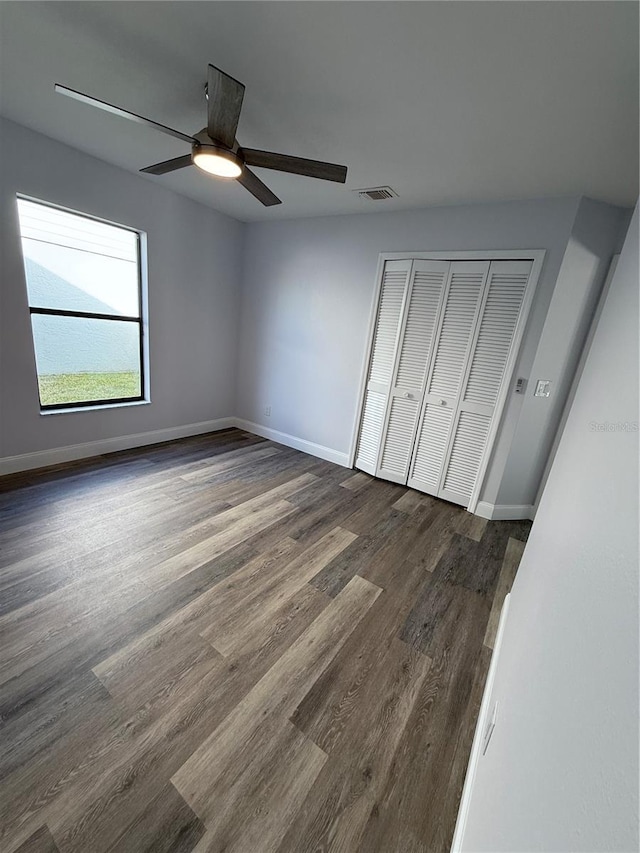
(384, 341)
(497, 326)
(457, 325)
(422, 310)
(370, 431)
(418, 333)
(399, 437)
(431, 448)
(466, 453)
(395, 279)
(505, 290)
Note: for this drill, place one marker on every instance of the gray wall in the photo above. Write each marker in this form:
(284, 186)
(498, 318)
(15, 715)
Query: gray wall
(308, 288)
(561, 771)
(194, 269)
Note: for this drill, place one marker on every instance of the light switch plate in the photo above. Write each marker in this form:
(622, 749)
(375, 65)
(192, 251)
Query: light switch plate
(542, 388)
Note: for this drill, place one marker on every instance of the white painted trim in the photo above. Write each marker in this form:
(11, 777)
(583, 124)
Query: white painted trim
(476, 749)
(43, 458)
(480, 255)
(504, 512)
(302, 444)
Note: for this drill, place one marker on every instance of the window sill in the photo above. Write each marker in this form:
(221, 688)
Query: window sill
(74, 409)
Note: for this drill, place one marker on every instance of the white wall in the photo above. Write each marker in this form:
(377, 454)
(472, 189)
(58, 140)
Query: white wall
(308, 288)
(561, 771)
(194, 269)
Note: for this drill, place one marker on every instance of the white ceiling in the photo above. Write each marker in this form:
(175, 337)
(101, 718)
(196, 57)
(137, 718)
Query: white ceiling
(444, 101)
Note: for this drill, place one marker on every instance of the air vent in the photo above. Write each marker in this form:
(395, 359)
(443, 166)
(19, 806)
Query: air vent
(377, 193)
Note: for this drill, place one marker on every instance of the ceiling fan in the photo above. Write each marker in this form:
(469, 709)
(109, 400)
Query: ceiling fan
(215, 149)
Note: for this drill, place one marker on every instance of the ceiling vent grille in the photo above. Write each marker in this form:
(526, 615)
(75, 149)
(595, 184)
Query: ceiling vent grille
(377, 193)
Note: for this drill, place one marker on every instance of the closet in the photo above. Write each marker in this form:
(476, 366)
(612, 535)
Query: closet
(442, 342)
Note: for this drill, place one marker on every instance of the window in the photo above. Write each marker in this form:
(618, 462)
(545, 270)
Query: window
(85, 298)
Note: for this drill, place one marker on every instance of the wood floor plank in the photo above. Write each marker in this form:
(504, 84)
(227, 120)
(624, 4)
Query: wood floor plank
(253, 610)
(409, 501)
(472, 526)
(336, 812)
(30, 633)
(297, 646)
(96, 639)
(367, 515)
(408, 807)
(227, 462)
(357, 557)
(416, 540)
(125, 546)
(344, 690)
(356, 481)
(433, 525)
(47, 725)
(58, 734)
(242, 736)
(167, 825)
(437, 831)
(40, 842)
(156, 739)
(199, 612)
(160, 574)
(269, 790)
(474, 565)
(156, 661)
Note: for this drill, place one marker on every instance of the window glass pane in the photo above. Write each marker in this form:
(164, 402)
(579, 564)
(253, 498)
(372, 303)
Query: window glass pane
(77, 264)
(81, 359)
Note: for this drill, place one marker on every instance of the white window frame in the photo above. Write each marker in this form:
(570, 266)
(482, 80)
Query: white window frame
(142, 321)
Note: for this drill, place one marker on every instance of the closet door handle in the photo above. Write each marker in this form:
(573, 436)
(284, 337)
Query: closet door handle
(443, 402)
(407, 395)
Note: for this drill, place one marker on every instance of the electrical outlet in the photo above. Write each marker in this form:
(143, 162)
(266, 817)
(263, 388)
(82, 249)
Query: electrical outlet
(267, 411)
(491, 724)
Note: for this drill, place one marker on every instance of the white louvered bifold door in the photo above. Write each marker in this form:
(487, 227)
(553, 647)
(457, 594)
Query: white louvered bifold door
(493, 340)
(391, 308)
(462, 301)
(421, 314)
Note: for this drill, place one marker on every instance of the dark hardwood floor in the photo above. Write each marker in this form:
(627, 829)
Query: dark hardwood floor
(221, 644)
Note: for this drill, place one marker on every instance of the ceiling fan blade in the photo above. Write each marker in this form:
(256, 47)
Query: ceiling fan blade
(168, 165)
(224, 95)
(297, 165)
(255, 186)
(110, 108)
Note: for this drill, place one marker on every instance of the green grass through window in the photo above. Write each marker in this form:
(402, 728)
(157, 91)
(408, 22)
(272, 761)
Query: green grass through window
(82, 387)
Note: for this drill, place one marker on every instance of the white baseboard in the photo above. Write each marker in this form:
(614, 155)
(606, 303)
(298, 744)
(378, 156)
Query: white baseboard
(310, 447)
(476, 748)
(42, 458)
(504, 512)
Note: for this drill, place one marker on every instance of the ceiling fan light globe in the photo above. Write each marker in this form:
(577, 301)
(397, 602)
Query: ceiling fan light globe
(217, 162)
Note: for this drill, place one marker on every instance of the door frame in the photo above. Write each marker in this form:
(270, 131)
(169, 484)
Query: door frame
(536, 256)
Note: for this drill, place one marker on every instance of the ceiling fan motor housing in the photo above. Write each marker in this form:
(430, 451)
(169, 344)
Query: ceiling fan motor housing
(204, 153)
